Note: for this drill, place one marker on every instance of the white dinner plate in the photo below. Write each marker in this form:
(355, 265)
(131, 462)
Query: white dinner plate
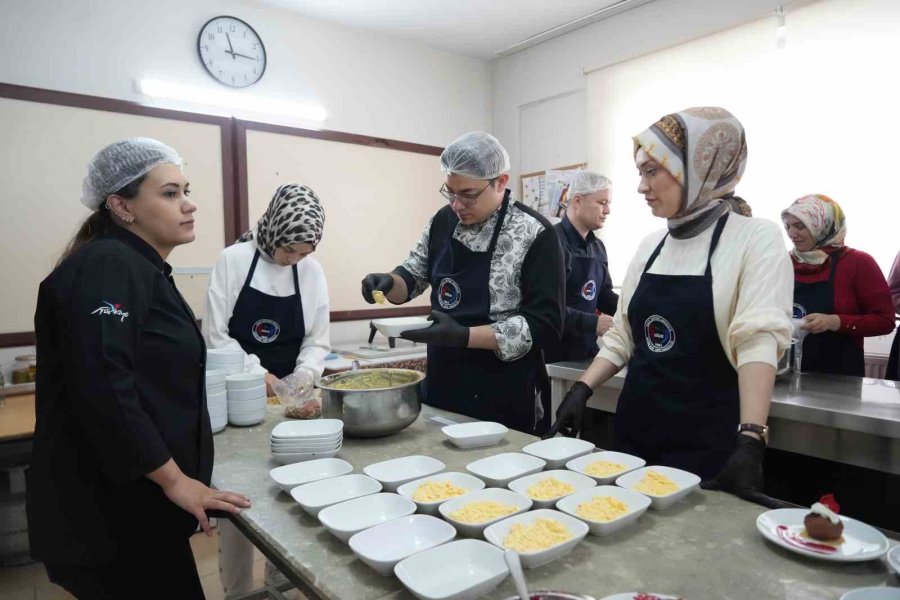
(873, 593)
(893, 559)
(783, 526)
(632, 595)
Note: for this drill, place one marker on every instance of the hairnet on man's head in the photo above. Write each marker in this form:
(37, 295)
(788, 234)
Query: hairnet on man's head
(588, 182)
(477, 155)
(120, 163)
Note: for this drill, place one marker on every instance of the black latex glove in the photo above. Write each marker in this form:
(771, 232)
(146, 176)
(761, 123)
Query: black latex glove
(445, 332)
(570, 412)
(742, 475)
(382, 282)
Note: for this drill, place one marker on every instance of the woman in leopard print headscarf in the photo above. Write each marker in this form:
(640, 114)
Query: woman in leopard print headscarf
(294, 216)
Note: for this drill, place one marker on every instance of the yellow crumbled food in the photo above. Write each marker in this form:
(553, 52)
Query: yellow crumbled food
(432, 491)
(602, 508)
(378, 296)
(540, 535)
(604, 468)
(482, 512)
(656, 484)
(548, 489)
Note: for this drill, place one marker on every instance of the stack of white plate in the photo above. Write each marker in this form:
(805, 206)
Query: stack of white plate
(216, 400)
(230, 361)
(246, 398)
(297, 441)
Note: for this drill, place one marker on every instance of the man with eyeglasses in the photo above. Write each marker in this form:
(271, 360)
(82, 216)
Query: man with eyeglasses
(496, 273)
(590, 299)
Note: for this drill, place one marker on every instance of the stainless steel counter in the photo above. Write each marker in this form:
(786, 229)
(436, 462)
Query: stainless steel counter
(707, 547)
(851, 420)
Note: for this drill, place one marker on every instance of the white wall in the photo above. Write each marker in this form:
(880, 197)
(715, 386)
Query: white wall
(369, 84)
(556, 67)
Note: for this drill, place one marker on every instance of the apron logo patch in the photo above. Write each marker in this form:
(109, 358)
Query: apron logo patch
(449, 294)
(111, 309)
(266, 331)
(659, 333)
(799, 311)
(589, 290)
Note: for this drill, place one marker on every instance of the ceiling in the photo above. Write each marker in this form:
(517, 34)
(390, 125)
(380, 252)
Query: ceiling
(478, 28)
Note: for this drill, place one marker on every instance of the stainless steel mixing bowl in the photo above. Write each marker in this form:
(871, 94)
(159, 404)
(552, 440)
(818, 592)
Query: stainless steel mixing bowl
(374, 412)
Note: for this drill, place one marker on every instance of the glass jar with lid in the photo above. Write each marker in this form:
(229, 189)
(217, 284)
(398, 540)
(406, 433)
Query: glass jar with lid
(25, 369)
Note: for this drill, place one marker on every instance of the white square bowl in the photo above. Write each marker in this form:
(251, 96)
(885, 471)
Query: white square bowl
(501, 495)
(287, 458)
(475, 435)
(216, 388)
(556, 452)
(223, 356)
(346, 519)
(637, 505)
(461, 570)
(305, 446)
(394, 473)
(497, 532)
(385, 545)
(576, 480)
(215, 377)
(500, 469)
(315, 496)
(290, 476)
(461, 480)
(248, 406)
(308, 430)
(627, 460)
(395, 326)
(686, 482)
(243, 381)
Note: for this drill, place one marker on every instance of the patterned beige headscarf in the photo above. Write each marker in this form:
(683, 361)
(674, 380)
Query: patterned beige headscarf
(825, 220)
(294, 215)
(705, 150)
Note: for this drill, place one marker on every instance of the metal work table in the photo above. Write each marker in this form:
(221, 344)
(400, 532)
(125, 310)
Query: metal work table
(706, 547)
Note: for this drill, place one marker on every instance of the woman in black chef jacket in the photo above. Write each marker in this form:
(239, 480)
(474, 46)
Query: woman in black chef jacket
(703, 314)
(268, 298)
(123, 451)
(497, 291)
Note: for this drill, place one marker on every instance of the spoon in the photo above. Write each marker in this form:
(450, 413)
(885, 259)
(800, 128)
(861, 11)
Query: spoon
(515, 569)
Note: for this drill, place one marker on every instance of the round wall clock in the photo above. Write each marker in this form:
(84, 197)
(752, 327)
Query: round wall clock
(231, 51)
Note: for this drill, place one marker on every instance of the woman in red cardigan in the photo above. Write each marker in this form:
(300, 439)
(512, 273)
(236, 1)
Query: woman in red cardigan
(839, 292)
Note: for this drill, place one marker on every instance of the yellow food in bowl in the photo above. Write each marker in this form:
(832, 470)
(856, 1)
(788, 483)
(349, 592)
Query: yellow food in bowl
(378, 296)
(602, 508)
(656, 484)
(548, 489)
(433, 491)
(483, 511)
(540, 535)
(604, 468)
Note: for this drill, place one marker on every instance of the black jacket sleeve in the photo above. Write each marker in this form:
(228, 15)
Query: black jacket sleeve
(544, 289)
(607, 299)
(126, 443)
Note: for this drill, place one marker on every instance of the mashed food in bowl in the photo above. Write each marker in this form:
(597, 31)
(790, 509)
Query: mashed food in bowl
(549, 488)
(539, 535)
(604, 468)
(433, 491)
(483, 511)
(372, 379)
(656, 484)
(602, 508)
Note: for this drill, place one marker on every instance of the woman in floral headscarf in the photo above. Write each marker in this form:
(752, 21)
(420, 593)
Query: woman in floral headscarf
(840, 293)
(703, 314)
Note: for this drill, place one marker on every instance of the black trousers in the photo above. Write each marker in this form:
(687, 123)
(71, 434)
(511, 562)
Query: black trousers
(157, 570)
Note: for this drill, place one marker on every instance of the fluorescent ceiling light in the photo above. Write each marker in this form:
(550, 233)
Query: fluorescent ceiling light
(233, 100)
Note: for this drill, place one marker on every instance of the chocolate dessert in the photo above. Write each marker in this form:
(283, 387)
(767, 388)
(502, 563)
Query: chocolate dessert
(823, 523)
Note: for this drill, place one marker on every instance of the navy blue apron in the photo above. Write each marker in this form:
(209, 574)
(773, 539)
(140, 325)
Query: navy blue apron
(680, 405)
(586, 275)
(271, 327)
(472, 381)
(829, 351)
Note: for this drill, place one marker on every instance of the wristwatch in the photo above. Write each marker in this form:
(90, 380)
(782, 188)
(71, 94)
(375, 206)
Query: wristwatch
(761, 430)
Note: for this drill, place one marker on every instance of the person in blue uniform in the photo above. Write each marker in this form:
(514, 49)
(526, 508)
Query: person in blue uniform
(590, 299)
(123, 452)
(497, 291)
(704, 315)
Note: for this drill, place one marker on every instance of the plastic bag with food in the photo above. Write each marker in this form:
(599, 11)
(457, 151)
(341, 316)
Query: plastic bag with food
(298, 395)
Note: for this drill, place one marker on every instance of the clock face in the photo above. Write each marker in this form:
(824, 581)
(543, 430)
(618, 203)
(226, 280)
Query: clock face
(232, 52)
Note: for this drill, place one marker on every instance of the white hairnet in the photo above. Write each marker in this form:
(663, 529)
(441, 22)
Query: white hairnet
(477, 155)
(119, 164)
(587, 182)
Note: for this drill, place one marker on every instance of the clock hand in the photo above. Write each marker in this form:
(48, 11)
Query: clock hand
(243, 55)
(230, 47)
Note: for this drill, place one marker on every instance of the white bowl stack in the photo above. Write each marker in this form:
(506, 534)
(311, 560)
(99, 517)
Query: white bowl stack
(230, 361)
(246, 398)
(298, 441)
(216, 400)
